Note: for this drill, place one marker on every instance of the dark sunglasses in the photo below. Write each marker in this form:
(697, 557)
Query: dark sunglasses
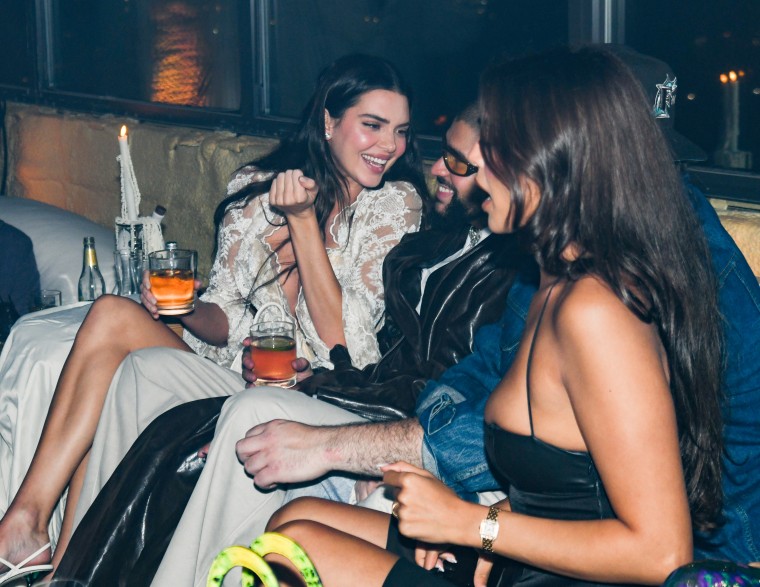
(456, 165)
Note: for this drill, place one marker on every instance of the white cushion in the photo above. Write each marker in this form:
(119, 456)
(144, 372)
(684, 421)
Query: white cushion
(57, 236)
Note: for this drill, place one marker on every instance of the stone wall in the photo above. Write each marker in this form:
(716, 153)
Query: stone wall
(69, 160)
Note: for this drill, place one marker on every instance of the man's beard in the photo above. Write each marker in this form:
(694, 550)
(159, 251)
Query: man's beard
(459, 215)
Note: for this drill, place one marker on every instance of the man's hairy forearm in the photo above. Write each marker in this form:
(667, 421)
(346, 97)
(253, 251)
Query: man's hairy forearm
(362, 448)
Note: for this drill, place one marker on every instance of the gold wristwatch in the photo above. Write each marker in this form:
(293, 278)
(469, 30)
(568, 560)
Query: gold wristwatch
(489, 528)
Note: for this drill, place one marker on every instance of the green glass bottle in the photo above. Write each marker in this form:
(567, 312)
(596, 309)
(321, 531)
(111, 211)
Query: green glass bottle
(91, 282)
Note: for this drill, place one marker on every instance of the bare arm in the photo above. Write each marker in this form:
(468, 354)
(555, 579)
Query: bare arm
(294, 194)
(207, 321)
(378, 225)
(281, 451)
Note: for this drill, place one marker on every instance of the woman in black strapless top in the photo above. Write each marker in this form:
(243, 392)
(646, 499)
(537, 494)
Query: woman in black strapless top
(606, 431)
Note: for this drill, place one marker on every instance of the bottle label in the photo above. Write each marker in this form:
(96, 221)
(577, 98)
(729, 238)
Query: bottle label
(90, 257)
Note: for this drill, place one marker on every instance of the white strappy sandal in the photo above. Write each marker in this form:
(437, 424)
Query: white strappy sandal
(18, 571)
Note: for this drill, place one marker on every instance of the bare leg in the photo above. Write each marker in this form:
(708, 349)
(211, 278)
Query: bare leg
(75, 487)
(369, 525)
(113, 328)
(346, 543)
(340, 558)
(67, 527)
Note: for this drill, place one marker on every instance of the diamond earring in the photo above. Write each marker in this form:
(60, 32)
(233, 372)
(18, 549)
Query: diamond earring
(328, 136)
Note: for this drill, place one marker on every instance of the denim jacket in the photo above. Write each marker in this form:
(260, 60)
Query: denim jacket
(739, 298)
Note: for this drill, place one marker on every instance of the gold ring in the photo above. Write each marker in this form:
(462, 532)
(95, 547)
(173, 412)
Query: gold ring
(394, 510)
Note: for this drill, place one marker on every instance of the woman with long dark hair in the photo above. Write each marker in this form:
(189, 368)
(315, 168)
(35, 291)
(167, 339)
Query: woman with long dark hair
(606, 431)
(305, 228)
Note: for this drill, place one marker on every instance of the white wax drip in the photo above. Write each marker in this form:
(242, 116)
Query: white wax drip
(130, 193)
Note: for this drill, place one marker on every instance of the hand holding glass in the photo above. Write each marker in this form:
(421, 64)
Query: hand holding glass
(273, 350)
(172, 277)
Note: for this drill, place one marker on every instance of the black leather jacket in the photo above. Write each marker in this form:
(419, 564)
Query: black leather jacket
(459, 298)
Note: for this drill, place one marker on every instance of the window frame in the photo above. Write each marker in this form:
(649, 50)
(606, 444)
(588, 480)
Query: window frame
(252, 118)
(39, 91)
(596, 21)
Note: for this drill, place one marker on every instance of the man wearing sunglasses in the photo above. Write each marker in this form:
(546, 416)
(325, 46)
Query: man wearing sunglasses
(456, 192)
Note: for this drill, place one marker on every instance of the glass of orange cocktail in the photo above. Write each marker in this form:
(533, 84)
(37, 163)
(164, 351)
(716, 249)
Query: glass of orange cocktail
(172, 276)
(273, 350)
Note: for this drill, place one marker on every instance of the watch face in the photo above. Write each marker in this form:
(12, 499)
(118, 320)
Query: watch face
(489, 529)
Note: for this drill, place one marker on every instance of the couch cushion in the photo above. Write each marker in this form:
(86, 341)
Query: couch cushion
(57, 236)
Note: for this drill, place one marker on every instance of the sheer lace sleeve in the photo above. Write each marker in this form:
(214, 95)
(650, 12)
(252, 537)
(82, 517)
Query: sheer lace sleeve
(231, 277)
(378, 220)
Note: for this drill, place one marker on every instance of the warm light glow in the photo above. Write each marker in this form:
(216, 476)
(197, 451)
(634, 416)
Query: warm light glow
(123, 132)
(731, 76)
(181, 68)
(691, 96)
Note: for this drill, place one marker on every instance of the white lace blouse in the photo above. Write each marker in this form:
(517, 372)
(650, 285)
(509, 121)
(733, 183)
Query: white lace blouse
(364, 235)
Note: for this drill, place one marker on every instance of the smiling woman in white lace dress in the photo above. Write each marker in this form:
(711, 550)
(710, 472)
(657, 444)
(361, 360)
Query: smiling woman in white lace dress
(306, 228)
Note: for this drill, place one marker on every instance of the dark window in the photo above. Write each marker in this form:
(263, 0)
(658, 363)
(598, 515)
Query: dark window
(441, 46)
(249, 65)
(185, 52)
(17, 34)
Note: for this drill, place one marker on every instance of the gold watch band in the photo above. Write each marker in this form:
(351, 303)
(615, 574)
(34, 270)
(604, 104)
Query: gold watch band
(493, 514)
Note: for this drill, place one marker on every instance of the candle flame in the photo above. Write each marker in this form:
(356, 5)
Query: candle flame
(123, 132)
(731, 76)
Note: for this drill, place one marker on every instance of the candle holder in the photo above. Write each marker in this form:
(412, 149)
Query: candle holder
(140, 235)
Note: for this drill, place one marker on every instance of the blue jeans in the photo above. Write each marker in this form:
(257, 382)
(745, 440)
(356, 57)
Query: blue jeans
(334, 488)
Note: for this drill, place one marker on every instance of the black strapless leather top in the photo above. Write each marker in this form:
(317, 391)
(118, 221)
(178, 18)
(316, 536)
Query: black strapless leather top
(546, 481)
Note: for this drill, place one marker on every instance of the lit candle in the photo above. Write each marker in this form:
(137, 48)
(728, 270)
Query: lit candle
(127, 176)
(728, 153)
